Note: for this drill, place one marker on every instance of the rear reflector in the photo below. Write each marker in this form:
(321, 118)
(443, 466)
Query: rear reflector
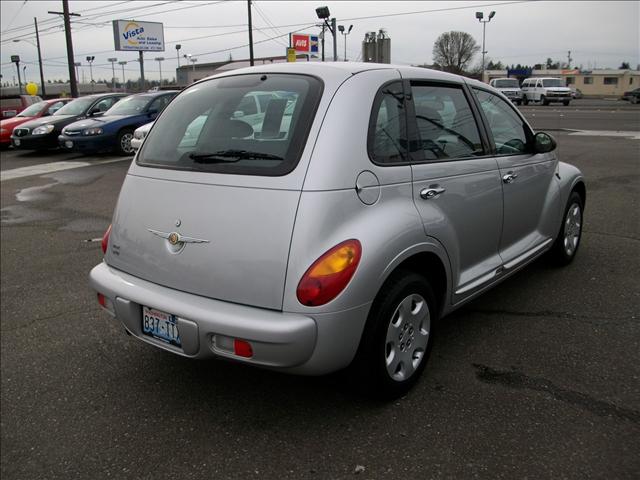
(105, 240)
(242, 348)
(107, 304)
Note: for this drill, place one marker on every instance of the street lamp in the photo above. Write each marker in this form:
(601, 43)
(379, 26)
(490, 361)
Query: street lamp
(122, 64)
(113, 72)
(178, 47)
(189, 58)
(90, 60)
(480, 16)
(323, 14)
(24, 75)
(39, 61)
(160, 60)
(342, 31)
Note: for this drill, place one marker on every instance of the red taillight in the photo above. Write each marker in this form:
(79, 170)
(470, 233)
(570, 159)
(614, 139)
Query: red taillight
(330, 274)
(102, 301)
(242, 348)
(105, 240)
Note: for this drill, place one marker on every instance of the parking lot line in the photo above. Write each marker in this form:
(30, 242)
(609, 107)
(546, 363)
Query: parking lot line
(51, 167)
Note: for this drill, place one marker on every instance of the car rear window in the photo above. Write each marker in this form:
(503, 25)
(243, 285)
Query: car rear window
(507, 83)
(255, 124)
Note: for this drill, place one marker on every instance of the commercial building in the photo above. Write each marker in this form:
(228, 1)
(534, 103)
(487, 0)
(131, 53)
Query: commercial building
(595, 83)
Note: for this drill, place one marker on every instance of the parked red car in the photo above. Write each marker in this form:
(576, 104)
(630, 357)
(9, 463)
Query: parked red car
(37, 110)
(13, 105)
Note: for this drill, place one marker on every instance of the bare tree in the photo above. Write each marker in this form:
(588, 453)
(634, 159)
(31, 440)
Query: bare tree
(453, 51)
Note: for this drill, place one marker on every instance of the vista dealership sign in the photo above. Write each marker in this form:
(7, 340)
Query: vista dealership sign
(130, 35)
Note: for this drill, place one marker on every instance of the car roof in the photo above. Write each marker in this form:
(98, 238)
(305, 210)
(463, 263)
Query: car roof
(155, 94)
(330, 69)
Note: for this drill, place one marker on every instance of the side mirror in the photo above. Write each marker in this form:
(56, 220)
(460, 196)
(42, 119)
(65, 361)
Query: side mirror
(94, 111)
(544, 143)
(151, 112)
(238, 114)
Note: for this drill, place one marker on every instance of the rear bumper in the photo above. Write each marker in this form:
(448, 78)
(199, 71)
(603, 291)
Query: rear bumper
(285, 341)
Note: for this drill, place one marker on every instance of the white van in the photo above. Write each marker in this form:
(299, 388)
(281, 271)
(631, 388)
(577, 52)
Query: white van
(545, 91)
(509, 87)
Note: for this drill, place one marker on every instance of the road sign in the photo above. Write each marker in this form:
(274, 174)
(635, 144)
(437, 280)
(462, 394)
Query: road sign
(304, 43)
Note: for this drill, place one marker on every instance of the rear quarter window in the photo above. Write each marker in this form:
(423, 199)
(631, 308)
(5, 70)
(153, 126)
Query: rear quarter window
(255, 124)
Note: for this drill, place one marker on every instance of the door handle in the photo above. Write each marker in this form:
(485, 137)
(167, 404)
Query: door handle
(509, 177)
(431, 192)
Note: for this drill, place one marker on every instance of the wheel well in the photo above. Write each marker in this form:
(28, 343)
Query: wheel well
(581, 190)
(429, 265)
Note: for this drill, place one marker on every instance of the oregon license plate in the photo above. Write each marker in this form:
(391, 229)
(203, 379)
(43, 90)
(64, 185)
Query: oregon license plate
(160, 325)
(68, 144)
(16, 142)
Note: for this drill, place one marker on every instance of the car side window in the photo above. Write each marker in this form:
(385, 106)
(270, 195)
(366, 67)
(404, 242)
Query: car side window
(446, 126)
(508, 129)
(104, 104)
(387, 139)
(54, 107)
(159, 103)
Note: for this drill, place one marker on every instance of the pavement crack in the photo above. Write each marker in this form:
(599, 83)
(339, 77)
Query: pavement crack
(518, 380)
(614, 235)
(39, 319)
(547, 314)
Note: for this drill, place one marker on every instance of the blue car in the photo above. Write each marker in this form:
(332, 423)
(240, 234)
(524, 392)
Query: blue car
(113, 130)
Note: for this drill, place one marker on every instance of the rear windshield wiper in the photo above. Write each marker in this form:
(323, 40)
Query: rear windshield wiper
(230, 156)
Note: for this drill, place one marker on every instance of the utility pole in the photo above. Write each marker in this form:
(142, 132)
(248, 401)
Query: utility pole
(35, 22)
(113, 72)
(67, 33)
(569, 59)
(335, 39)
(141, 60)
(178, 47)
(250, 34)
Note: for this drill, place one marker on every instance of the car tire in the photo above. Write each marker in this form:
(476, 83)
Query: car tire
(566, 245)
(525, 101)
(566, 103)
(124, 147)
(543, 100)
(634, 100)
(396, 343)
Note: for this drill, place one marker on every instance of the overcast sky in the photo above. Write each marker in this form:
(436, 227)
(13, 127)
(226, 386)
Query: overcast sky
(599, 34)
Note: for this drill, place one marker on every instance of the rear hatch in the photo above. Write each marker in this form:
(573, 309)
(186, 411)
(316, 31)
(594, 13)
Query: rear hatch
(210, 203)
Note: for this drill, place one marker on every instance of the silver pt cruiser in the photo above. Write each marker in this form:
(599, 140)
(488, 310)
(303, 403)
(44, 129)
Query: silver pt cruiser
(308, 217)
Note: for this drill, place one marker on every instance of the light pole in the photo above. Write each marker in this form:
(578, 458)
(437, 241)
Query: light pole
(122, 64)
(24, 75)
(77, 64)
(178, 47)
(323, 14)
(479, 16)
(341, 29)
(39, 57)
(113, 72)
(160, 60)
(193, 60)
(90, 60)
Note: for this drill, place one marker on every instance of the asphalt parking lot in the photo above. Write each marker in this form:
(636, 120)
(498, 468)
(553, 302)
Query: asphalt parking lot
(539, 378)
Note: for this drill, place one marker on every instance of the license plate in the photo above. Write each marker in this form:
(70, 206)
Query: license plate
(16, 142)
(160, 325)
(68, 144)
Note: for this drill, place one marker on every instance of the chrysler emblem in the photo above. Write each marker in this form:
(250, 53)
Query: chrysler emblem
(176, 240)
